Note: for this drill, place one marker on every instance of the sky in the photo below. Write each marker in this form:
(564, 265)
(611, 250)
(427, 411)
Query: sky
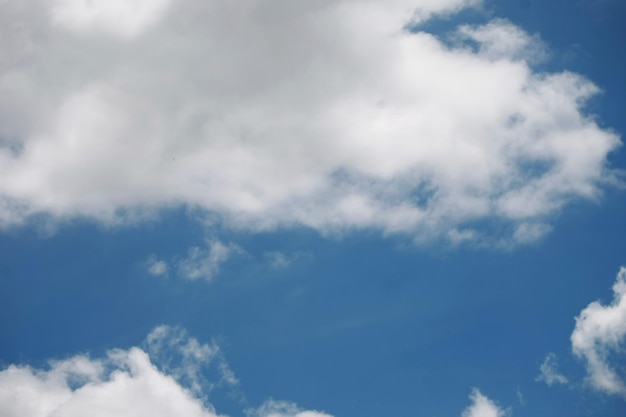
(286, 208)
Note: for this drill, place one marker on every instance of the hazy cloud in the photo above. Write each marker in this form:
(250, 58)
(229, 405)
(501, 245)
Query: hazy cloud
(155, 266)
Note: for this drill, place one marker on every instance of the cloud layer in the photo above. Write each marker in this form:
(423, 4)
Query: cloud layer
(327, 114)
(599, 331)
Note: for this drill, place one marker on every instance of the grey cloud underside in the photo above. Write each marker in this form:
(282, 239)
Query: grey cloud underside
(328, 115)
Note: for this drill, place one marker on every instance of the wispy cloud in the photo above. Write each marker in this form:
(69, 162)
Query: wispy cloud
(273, 408)
(599, 330)
(187, 360)
(549, 373)
(282, 260)
(205, 262)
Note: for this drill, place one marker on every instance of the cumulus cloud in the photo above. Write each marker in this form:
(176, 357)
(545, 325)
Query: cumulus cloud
(162, 380)
(125, 383)
(205, 262)
(549, 372)
(327, 114)
(482, 407)
(599, 330)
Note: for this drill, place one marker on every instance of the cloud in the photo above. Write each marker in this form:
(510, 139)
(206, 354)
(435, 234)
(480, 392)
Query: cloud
(124, 18)
(156, 266)
(185, 358)
(482, 407)
(165, 378)
(549, 371)
(125, 383)
(600, 330)
(328, 114)
(273, 408)
(205, 262)
(282, 260)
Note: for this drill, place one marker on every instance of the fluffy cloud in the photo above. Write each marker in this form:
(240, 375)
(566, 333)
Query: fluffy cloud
(482, 407)
(125, 383)
(327, 114)
(600, 330)
(549, 372)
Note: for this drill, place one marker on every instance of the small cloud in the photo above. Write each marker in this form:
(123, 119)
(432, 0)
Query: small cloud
(206, 262)
(155, 266)
(482, 406)
(600, 330)
(281, 260)
(273, 408)
(185, 358)
(549, 371)
(520, 397)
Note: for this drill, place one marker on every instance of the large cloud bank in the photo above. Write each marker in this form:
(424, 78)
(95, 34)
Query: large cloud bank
(327, 114)
(601, 330)
(127, 383)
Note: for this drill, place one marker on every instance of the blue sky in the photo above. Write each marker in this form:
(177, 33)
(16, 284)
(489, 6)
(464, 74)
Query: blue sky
(402, 208)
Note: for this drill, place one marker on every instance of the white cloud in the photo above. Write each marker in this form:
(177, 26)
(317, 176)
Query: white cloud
(185, 358)
(326, 114)
(155, 266)
(205, 262)
(549, 372)
(273, 408)
(500, 39)
(482, 407)
(125, 383)
(600, 330)
(162, 380)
